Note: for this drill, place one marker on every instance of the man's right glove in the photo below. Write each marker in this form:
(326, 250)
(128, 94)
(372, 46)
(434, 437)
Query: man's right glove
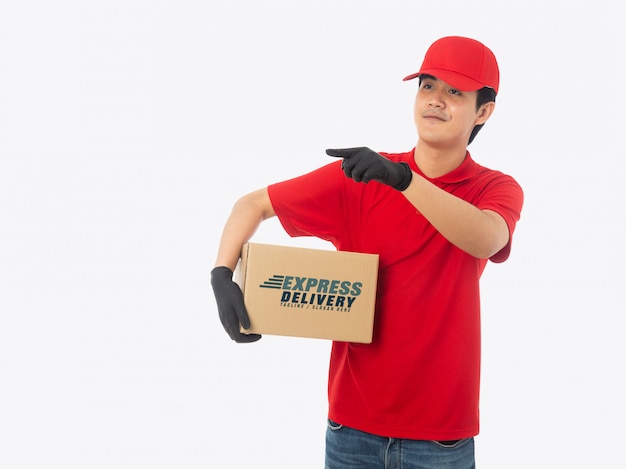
(230, 305)
(365, 165)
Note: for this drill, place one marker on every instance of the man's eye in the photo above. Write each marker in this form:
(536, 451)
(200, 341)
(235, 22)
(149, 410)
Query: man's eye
(453, 91)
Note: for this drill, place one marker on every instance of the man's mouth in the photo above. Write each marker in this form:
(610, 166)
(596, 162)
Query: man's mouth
(433, 115)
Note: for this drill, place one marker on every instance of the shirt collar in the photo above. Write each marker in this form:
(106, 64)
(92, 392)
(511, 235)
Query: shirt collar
(466, 170)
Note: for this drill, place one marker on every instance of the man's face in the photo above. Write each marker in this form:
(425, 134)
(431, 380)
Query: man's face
(445, 116)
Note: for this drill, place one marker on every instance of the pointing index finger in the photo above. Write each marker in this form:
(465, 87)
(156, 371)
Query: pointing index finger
(340, 152)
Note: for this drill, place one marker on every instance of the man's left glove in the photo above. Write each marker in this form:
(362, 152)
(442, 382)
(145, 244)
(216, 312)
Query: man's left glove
(364, 165)
(230, 305)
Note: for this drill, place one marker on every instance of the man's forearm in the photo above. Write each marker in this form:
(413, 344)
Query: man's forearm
(246, 216)
(481, 233)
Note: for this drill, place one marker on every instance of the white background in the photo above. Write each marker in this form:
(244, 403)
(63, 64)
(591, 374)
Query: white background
(129, 128)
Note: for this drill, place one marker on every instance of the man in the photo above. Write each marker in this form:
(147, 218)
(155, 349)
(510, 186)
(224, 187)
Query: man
(434, 217)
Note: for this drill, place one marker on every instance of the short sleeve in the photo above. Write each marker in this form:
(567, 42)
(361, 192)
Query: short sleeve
(504, 196)
(312, 204)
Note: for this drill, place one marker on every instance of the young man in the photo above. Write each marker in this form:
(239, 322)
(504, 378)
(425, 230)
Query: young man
(434, 216)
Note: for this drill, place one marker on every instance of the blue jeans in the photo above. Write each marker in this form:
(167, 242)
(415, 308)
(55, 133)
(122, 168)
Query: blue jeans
(350, 448)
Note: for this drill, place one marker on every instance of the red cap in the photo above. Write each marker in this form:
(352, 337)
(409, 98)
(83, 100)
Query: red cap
(464, 63)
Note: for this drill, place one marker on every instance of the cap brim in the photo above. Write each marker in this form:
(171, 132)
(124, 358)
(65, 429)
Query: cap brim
(461, 82)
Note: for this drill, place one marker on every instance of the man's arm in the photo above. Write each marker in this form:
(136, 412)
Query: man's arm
(481, 233)
(245, 218)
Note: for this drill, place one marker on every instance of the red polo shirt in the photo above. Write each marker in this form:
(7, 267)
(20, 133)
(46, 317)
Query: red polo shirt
(420, 376)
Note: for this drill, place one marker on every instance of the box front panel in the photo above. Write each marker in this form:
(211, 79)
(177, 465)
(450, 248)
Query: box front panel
(310, 293)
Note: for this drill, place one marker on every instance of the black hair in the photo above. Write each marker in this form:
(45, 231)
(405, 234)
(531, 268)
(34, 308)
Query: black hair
(485, 95)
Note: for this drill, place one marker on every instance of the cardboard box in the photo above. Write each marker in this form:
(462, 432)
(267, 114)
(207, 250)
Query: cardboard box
(304, 292)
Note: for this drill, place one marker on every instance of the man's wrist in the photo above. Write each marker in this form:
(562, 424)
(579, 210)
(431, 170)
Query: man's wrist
(406, 176)
(222, 271)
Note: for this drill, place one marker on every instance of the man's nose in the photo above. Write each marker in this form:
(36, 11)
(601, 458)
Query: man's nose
(436, 100)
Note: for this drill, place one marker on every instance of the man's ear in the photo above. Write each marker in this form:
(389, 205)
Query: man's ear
(485, 112)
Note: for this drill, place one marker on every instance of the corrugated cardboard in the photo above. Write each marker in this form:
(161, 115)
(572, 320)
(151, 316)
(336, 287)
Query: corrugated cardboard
(304, 292)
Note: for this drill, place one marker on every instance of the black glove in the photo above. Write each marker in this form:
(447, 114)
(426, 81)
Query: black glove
(365, 165)
(230, 305)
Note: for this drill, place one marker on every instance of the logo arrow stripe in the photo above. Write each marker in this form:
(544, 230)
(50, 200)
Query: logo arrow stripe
(275, 281)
